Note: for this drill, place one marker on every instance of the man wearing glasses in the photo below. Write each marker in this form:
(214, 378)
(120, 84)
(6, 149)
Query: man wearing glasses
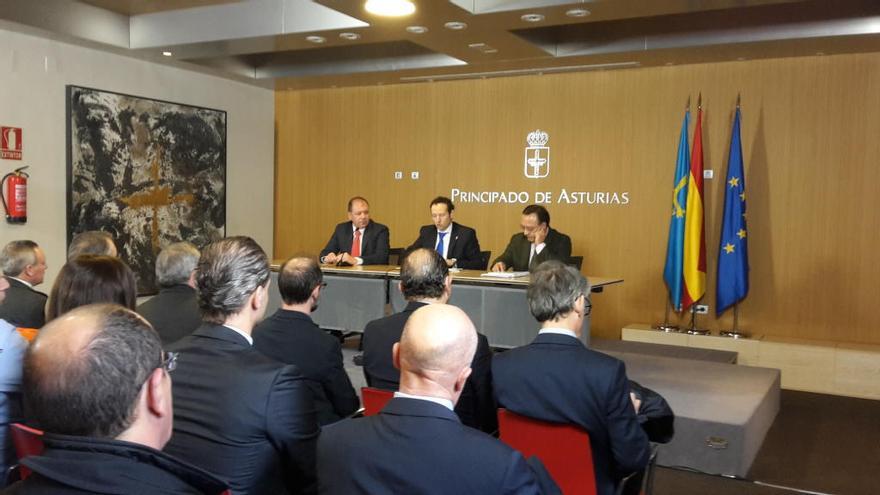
(290, 336)
(557, 379)
(96, 381)
(536, 244)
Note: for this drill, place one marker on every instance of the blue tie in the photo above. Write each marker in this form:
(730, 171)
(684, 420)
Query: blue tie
(440, 243)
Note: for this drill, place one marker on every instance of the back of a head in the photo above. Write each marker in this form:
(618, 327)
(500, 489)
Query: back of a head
(16, 256)
(438, 340)
(85, 370)
(553, 290)
(423, 274)
(89, 279)
(175, 264)
(91, 242)
(229, 271)
(297, 279)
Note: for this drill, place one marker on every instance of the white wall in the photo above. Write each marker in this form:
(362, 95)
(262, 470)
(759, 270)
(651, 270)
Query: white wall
(33, 76)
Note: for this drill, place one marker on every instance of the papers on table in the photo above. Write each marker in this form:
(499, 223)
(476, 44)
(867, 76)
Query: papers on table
(504, 274)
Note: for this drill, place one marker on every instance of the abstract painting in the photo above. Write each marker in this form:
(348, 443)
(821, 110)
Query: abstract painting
(146, 171)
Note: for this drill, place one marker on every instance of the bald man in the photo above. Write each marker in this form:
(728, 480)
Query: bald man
(97, 382)
(417, 444)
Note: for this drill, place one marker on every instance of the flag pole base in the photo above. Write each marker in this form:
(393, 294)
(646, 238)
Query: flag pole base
(667, 328)
(698, 331)
(733, 334)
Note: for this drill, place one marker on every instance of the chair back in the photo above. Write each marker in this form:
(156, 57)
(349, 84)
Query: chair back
(374, 399)
(27, 441)
(485, 256)
(564, 449)
(576, 261)
(394, 255)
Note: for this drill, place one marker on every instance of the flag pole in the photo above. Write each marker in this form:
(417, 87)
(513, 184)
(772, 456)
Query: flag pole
(735, 333)
(665, 326)
(693, 330)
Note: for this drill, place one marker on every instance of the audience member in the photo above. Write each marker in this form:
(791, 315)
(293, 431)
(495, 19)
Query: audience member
(24, 266)
(12, 349)
(174, 312)
(91, 242)
(96, 381)
(557, 379)
(424, 279)
(237, 413)
(290, 336)
(416, 444)
(89, 279)
(359, 241)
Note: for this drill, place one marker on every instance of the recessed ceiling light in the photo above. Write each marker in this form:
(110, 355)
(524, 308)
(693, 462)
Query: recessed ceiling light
(820, 53)
(455, 25)
(577, 13)
(532, 17)
(349, 36)
(167, 53)
(416, 29)
(390, 8)
(316, 39)
(670, 63)
(740, 58)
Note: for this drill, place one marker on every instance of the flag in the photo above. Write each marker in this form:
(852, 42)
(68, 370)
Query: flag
(733, 252)
(694, 267)
(675, 245)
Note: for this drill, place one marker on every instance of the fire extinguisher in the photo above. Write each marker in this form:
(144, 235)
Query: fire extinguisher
(13, 191)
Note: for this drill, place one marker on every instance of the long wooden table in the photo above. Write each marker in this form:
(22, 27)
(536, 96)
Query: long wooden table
(356, 295)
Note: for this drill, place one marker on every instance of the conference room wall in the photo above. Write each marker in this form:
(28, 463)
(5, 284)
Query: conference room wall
(33, 75)
(810, 128)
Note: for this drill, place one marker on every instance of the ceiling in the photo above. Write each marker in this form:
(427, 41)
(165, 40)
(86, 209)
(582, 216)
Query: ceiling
(266, 42)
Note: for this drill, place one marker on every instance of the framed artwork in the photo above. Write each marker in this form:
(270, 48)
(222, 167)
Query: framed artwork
(148, 172)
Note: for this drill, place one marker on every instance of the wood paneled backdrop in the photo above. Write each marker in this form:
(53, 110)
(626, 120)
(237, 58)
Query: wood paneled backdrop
(811, 142)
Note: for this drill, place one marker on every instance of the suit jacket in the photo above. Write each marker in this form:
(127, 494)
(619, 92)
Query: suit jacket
(557, 379)
(23, 306)
(463, 245)
(173, 312)
(242, 416)
(516, 255)
(12, 350)
(417, 446)
(292, 337)
(476, 406)
(374, 245)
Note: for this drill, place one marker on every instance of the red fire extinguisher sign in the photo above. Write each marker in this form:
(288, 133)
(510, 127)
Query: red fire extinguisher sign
(10, 143)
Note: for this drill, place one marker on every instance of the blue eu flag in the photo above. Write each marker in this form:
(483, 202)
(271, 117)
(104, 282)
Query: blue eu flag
(733, 253)
(672, 272)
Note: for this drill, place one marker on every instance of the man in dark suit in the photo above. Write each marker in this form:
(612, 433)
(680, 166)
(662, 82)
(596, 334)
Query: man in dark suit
(456, 243)
(424, 280)
(557, 379)
(24, 265)
(237, 413)
(416, 444)
(290, 336)
(174, 312)
(536, 244)
(358, 241)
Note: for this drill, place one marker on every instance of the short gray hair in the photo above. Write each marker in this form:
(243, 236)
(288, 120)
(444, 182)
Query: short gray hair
(554, 289)
(17, 255)
(175, 263)
(90, 242)
(229, 271)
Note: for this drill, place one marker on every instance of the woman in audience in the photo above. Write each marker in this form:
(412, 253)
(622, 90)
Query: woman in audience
(91, 279)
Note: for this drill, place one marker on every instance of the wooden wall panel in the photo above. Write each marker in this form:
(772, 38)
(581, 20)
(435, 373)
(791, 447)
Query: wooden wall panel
(810, 142)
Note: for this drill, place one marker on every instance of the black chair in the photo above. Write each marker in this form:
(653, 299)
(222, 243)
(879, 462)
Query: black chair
(485, 256)
(395, 255)
(576, 261)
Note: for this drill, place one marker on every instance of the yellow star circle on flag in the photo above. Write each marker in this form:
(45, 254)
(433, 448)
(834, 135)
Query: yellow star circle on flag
(734, 181)
(741, 233)
(728, 248)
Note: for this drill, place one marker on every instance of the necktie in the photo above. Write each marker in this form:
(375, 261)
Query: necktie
(531, 255)
(356, 244)
(440, 243)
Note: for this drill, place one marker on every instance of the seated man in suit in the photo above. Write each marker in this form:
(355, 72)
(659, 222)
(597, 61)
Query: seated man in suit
(24, 266)
(416, 444)
(424, 280)
(174, 312)
(456, 243)
(12, 349)
(557, 379)
(290, 336)
(91, 242)
(358, 241)
(536, 244)
(97, 382)
(237, 413)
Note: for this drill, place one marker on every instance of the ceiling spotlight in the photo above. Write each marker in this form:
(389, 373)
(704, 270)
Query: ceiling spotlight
(416, 29)
(577, 13)
(350, 36)
(455, 25)
(532, 18)
(167, 53)
(316, 39)
(390, 8)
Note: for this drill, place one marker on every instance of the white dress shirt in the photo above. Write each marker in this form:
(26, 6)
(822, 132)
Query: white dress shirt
(241, 332)
(437, 400)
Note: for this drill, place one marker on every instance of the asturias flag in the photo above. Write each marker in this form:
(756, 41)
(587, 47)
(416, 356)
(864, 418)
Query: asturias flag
(733, 253)
(675, 246)
(694, 231)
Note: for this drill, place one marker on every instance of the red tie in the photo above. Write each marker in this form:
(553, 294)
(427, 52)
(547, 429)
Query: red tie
(356, 244)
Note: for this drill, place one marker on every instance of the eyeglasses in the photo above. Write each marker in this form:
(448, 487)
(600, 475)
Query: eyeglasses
(169, 361)
(588, 308)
